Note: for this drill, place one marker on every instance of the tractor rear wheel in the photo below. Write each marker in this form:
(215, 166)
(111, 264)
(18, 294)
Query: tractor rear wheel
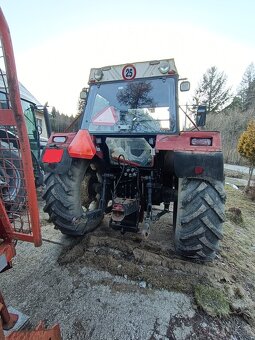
(72, 199)
(200, 215)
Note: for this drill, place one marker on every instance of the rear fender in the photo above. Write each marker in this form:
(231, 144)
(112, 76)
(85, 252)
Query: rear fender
(199, 165)
(183, 141)
(63, 147)
(55, 157)
(190, 158)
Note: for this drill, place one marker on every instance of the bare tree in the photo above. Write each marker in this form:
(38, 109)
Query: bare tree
(136, 95)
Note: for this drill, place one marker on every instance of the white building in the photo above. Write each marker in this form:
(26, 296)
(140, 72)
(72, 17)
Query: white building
(27, 99)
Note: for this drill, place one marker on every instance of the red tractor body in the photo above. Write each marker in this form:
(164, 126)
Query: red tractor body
(129, 155)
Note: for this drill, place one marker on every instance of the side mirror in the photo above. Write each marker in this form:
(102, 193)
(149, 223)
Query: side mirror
(84, 93)
(201, 115)
(185, 86)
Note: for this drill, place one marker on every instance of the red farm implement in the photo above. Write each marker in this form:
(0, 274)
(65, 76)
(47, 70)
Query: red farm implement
(19, 215)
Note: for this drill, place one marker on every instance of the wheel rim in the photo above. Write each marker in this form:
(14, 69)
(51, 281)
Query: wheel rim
(10, 181)
(90, 191)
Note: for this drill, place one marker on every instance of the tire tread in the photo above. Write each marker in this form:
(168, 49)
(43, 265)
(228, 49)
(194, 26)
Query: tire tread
(63, 200)
(199, 218)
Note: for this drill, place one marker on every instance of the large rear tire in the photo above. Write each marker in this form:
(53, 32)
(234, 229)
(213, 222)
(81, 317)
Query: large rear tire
(200, 215)
(72, 199)
(12, 188)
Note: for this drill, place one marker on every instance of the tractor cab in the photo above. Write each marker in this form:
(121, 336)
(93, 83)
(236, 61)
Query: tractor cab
(133, 99)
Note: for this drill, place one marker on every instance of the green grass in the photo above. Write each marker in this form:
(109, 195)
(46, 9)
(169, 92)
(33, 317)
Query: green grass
(237, 293)
(211, 300)
(239, 236)
(238, 199)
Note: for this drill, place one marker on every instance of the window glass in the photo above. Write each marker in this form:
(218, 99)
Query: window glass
(135, 107)
(3, 101)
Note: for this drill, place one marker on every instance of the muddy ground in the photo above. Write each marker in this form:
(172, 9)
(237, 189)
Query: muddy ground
(112, 286)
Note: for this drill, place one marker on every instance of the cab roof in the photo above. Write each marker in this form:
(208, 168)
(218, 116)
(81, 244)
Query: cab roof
(131, 71)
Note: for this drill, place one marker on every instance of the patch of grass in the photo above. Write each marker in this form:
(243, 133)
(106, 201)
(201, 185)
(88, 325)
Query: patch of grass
(233, 174)
(238, 199)
(235, 215)
(239, 236)
(211, 300)
(251, 193)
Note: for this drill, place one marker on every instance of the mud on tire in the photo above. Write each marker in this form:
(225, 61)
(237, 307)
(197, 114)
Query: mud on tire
(70, 205)
(200, 215)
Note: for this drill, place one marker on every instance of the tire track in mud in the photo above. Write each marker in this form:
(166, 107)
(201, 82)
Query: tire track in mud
(153, 261)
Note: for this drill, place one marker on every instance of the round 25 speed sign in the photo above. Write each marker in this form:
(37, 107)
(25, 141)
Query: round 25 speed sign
(129, 72)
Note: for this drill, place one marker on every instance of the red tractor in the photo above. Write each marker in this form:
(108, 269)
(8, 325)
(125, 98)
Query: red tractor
(129, 155)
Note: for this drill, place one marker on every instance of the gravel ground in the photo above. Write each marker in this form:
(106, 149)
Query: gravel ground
(84, 305)
(96, 289)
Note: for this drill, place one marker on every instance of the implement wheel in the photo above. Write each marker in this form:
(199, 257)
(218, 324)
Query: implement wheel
(12, 189)
(72, 199)
(200, 215)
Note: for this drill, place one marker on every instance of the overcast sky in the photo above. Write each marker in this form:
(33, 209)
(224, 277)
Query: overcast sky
(57, 42)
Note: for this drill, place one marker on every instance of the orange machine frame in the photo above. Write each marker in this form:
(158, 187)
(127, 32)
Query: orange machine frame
(13, 116)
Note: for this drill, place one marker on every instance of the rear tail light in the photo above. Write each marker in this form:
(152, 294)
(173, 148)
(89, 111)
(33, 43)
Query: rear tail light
(199, 170)
(201, 141)
(52, 155)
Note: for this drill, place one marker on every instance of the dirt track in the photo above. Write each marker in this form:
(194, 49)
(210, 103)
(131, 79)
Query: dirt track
(113, 286)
